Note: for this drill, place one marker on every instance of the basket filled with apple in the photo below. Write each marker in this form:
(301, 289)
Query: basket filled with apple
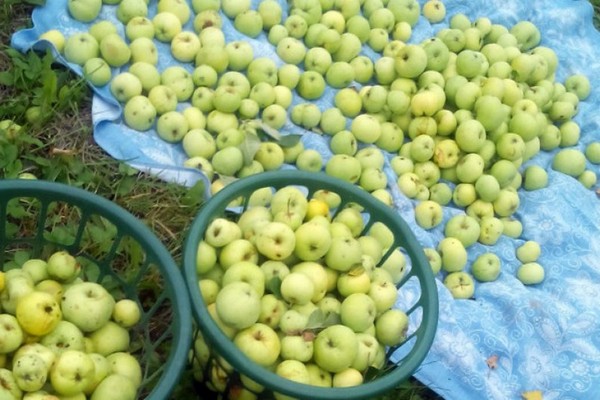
(305, 286)
(93, 305)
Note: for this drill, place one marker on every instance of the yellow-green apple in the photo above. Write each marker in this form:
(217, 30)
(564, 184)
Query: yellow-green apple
(128, 9)
(88, 305)
(124, 86)
(115, 386)
(460, 284)
(84, 10)
(185, 46)
(453, 253)
(486, 267)
(72, 372)
(391, 327)
(530, 273)
(143, 49)
(97, 71)
(248, 309)
(55, 37)
(80, 47)
(311, 85)
(244, 271)
(335, 348)
(126, 313)
(172, 126)
(344, 167)
(166, 26)
(249, 22)
(262, 69)
(139, 26)
(139, 113)
(38, 313)
(464, 228)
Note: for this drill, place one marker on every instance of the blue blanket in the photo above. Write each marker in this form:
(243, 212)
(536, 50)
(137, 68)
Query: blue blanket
(510, 338)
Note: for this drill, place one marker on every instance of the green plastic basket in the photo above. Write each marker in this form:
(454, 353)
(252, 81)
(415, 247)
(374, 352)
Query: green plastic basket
(115, 249)
(407, 358)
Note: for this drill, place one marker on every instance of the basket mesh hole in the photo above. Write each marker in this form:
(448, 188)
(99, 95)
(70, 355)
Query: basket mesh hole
(98, 237)
(22, 216)
(61, 223)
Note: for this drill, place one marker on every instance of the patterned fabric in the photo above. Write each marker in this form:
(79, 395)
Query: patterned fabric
(510, 338)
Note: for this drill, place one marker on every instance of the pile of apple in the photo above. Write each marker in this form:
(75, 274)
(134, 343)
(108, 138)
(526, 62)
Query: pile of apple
(301, 290)
(456, 117)
(64, 337)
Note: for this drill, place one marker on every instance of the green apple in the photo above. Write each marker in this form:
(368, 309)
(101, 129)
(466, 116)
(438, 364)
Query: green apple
(486, 267)
(129, 9)
(84, 10)
(530, 273)
(80, 47)
(366, 128)
(529, 251)
(249, 22)
(344, 167)
(405, 11)
(139, 26)
(185, 46)
(276, 241)
(88, 305)
(434, 11)
(569, 161)
(592, 152)
(491, 228)
(97, 71)
(115, 386)
(343, 254)
(125, 85)
(143, 49)
(11, 333)
(464, 228)
(460, 284)
(453, 253)
(163, 98)
(139, 113)
(180, 80)
(147, 74)
(534, 177)
(248, 310)
(335, 348)
(262, 69)
(114, 50)
(166, 26)
(428, 214)
(101, 29)
(311, 85)
(172, 126)
(358, 312)
(391, 327)
(55, 37)
(72, 372)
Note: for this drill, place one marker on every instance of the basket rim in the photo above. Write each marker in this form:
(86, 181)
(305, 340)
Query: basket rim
(226, 348)
(182, 336)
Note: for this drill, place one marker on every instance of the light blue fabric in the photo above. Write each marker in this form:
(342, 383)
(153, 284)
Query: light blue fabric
(545, 337)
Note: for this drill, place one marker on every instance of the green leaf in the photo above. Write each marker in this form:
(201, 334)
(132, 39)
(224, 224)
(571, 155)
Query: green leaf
(50, 88)
(274, 286)
(6, 78)
(35, 2)
(21, 256)
(332, 319)
(269, 131)
(289, 140)
(249, 147)
(316, 319)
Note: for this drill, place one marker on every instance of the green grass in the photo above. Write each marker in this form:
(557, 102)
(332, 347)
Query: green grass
(56, 143)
